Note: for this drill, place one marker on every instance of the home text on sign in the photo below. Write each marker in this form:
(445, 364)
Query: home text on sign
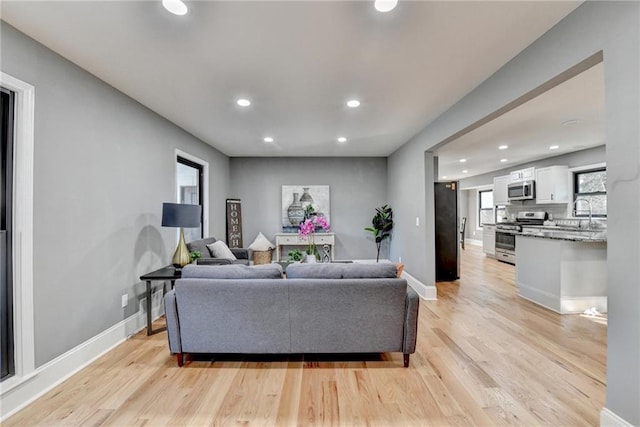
(234, 223)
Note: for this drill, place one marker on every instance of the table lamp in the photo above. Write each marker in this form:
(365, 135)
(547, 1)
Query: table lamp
(181, 215)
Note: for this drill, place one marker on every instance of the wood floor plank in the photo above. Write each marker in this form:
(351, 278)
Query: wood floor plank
(483, 357)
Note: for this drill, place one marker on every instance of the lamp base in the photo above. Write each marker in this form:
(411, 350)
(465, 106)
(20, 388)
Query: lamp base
(181, 257)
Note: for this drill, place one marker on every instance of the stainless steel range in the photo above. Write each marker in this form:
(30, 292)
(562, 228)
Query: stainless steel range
(506, 238)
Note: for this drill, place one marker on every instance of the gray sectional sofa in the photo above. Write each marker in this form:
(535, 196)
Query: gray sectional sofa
(318, 308)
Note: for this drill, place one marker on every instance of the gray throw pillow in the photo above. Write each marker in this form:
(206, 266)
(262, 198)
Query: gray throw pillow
(201, 246)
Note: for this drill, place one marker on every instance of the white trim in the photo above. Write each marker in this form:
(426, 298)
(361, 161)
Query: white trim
(587, 167)
(64, 366)
(573, 305)
(572, 178)
(205, 186)
(426, 292)
(610, 419)
(24, 347)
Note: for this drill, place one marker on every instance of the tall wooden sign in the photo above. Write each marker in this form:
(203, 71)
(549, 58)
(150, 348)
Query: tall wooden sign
(234, 223)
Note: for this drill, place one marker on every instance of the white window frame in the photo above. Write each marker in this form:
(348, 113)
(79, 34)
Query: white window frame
(205, 187)
(572, 180)
(477, 214)
(23, 312)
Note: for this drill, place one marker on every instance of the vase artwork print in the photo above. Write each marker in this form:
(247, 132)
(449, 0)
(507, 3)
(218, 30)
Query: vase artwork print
(301, 202)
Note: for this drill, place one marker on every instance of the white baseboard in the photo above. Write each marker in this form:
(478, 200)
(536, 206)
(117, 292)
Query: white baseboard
(570, 305)
(473, 242)
(64, 366)
(609, 419)
(426, 292)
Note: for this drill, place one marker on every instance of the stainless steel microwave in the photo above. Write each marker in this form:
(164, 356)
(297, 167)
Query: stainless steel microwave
(524, 190)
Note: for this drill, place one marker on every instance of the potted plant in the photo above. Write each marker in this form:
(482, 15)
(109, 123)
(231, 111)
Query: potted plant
(195, 255)
(295, 255)
(382, 225)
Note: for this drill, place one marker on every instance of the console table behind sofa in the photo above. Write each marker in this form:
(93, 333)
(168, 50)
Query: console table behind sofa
(293, 239)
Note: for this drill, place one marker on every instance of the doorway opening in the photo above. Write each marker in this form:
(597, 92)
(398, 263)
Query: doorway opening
(7, 354)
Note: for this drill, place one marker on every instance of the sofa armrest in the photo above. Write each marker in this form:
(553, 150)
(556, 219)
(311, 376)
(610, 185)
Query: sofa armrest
(410, 321)
(240, 253)
(173, 323)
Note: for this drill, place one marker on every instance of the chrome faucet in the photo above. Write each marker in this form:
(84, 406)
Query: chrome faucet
(575, 206)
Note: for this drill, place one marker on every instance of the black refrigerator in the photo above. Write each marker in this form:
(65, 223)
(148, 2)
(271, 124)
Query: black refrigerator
(446, 231)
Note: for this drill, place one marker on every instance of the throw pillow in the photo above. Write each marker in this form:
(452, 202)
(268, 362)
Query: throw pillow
(220, 249)
(261, 243)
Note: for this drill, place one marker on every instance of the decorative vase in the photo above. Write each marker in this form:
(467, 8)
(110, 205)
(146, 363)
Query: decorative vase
(311, 259)
(295, 212)
(305, 199)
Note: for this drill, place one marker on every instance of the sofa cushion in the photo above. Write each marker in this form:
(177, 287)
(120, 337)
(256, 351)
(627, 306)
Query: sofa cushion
(369, 271)
(201, 246)
(314, 271)
(220, 249)
(232, 271)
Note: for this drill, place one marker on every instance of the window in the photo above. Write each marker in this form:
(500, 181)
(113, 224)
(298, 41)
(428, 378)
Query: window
(590, 191)
(485, 207)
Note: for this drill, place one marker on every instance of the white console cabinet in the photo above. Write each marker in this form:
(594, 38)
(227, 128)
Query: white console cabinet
(293, 239)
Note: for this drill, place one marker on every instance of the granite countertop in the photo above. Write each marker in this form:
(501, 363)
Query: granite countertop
(571, 235)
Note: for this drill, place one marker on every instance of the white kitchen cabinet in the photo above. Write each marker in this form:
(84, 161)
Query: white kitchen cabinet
(552, 185)
(522, 175)
(489, 240)
(500, 193)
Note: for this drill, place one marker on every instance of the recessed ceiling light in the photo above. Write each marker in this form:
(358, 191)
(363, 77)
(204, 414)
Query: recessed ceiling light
(554, 147)
(503, 160)
(444, 177)
(503, 147)
(243, 102)
(463, 160)
(342, 140)
(268, 139)
(177, 7)
(354, 103)
(385, 5)
(465, 171)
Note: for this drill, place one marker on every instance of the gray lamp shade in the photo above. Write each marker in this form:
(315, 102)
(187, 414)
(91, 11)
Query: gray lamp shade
(181, 215)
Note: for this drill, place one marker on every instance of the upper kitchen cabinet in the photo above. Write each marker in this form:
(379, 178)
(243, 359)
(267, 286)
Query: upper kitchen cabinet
(552, 185)
(500, 193)
(522, 175)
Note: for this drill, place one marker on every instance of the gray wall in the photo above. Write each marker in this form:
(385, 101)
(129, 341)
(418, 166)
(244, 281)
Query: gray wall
(589, 156)
(103, 166)
(611, 27)
(358, 186)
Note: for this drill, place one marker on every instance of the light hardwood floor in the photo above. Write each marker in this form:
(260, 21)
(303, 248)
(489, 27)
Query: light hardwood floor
(484, 357)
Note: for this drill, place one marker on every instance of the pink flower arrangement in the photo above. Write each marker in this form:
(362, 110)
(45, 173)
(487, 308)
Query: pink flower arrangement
(308, 228)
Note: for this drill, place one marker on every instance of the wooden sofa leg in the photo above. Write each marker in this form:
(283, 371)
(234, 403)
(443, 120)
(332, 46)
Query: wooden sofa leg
(406, 360)
(180, 359)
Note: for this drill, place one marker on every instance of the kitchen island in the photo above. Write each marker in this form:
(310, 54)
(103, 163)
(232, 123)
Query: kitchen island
(563, 271)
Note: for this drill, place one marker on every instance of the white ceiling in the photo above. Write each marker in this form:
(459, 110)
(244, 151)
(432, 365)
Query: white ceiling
(298, 61)
(530, 129)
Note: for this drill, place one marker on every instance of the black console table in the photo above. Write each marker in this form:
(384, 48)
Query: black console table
(165, 273)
